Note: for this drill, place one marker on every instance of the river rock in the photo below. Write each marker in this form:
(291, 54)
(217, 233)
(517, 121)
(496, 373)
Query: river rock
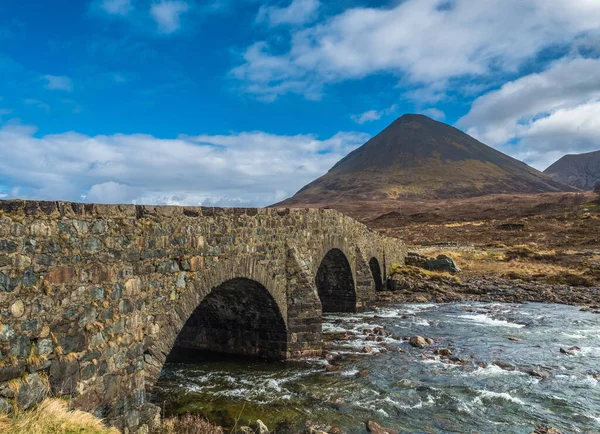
(312, 428)
(259, 427)
(367, 350)
(379, 331)
(570, 351)
(375, 428)
(504, 365)
(443, 352)
(335, 430)
(332, 368)
(537, 373)
(420, 299)
(543, 429)
(418, 342)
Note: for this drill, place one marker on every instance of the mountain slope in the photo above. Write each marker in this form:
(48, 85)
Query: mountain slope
(580, 171)
(419, 158)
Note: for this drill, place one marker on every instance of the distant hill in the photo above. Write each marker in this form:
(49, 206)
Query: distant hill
(580, 170)
(419, 158)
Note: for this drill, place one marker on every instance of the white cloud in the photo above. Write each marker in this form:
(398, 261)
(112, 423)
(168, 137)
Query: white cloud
(420, 41)
(251, 168)
(540, 117)
(435, 113)
(37, 103)
(296, 13)
(117, 7)
(373, 115)
(58, 82)
(167, 15)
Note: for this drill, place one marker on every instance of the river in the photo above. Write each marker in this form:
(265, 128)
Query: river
(410, 389)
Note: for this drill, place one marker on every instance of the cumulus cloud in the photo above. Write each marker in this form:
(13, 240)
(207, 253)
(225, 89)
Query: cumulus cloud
(58, 82)
(373, 115)
(435, 113)
(244, 169)
(297, 12)
(423, 42)
(117, 7)
(540, 117)
(167, 15)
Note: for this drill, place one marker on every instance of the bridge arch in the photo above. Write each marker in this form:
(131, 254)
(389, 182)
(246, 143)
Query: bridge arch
(237, 317)
(208, 304)
(335, 283)
(375, 268)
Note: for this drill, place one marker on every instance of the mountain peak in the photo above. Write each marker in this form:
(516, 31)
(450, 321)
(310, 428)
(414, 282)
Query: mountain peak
(416, 157)
(577, 170)
(413, 117)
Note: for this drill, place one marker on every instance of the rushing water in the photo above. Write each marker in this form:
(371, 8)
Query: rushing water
(412, 390)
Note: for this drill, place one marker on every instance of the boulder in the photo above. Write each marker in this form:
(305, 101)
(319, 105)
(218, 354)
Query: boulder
(418, 342)
(538, 373)
(570, 351)
(259, 427)
(543, 429)
(441, 263)
(375, 428)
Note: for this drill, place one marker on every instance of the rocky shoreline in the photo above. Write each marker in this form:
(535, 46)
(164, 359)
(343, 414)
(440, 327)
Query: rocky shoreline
(409, 289)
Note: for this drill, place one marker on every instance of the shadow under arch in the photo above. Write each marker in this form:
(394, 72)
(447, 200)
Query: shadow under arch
(335, 284)
(376, 273)
(239, 316)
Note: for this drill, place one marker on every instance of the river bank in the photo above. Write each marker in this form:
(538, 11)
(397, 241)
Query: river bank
(422, 288)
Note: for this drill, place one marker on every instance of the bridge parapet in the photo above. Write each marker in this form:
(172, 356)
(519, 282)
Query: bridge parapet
(93, 298)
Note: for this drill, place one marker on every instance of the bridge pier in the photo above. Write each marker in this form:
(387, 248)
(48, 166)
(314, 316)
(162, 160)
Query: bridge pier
(95, 297)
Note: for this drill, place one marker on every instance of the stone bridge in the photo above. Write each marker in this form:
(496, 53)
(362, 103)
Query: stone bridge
(95, 298)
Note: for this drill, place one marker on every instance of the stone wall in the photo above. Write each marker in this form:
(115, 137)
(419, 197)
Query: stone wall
(93, 297)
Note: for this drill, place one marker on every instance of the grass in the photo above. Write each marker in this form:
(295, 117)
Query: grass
(187, 424)
(523, 262)
(52, 416)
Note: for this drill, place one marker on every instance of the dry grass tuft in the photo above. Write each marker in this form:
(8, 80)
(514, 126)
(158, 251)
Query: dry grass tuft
(53, 417)
(187, 424)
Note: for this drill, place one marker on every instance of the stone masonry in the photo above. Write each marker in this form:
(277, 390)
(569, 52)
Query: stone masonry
(93, 298)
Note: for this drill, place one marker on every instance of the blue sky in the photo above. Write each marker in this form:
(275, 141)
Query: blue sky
(243, 102)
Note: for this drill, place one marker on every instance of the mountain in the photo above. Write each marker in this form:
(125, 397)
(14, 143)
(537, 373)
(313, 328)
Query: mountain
(580, 170)
(419, 158)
